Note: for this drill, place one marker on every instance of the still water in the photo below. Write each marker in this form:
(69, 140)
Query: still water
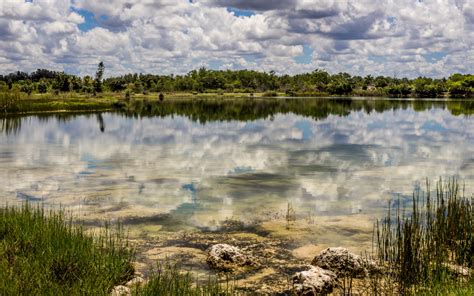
(184, 170)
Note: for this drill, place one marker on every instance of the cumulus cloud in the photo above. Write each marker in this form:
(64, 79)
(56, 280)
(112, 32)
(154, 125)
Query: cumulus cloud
(405, 38)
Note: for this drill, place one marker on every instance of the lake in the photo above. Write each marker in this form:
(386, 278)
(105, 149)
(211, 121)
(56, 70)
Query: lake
(331, 166)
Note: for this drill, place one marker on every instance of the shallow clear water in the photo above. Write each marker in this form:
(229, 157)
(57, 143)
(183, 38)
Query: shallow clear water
(138, 169)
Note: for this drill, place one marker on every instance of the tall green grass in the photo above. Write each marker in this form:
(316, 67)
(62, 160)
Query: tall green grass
(9, 101)
(418, 243)
(44, 253)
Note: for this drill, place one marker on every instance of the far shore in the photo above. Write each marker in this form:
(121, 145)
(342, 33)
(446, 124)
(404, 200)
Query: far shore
(111, 101)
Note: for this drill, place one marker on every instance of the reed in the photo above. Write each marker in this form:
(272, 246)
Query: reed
(421, 244)
(290, 216)
(167, 279)
(9, 101)
(43, 253)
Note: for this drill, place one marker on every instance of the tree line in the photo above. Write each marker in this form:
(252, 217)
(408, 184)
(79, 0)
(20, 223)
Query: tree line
(316, 83)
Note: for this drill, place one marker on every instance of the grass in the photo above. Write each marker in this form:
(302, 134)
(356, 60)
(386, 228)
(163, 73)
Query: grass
(168, 280)
(9, 101)
(417, 247)
(44, 253)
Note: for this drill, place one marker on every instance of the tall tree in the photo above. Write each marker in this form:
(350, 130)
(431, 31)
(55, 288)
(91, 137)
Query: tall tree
(98, 77)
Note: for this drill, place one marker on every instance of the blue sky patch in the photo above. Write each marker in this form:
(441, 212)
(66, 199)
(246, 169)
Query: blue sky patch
(215, 64)
(251, 58)
(307, 55)
(435, 56)
(90, 21)
(239, 12)
(377, 59)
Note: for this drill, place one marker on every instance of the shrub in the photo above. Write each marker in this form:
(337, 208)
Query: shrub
(270, 94)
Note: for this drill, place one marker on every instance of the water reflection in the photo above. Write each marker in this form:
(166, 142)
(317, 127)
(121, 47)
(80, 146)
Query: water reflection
(338, 158)
(208, 110)
(100, 120)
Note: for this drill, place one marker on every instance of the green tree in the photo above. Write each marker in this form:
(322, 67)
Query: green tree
(42, 87)
(98, 77)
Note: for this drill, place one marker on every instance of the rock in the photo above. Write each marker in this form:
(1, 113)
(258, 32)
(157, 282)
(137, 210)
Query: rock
(314, 281)
(344, 263)
(120, 291)
(225, 257)
(458, 270)
(136, 281)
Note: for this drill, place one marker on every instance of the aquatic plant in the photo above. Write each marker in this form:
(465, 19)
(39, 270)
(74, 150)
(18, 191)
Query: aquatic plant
(290, 215)
(167, 279)
(425, 248)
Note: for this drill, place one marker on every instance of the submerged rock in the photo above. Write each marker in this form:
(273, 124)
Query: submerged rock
(344, 263)
(120, 291)
(225, 257)
(314, 281)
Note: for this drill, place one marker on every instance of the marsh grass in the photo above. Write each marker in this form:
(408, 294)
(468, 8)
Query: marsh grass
(45, 253)
(290, 215)
(9, 101)
(418, 243)
(167, 279)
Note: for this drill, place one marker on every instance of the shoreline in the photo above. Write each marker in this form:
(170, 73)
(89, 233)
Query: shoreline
(107, 103)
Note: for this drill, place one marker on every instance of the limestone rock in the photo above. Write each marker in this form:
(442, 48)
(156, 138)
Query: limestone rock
(458, 270)
(225, 257)
(120, 291)
(314, 281)
(136, 281)
(344, 263)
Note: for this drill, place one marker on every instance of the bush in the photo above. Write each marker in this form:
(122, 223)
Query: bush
(270, 94)
(42, 87)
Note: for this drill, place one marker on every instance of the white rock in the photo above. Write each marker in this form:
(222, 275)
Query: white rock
(120, 291)
(314, 281)
(225, 257)
(458, 270)
(344, 263)
(136, 281)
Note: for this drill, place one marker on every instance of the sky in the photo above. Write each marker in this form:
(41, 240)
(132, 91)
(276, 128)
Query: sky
(401, 38)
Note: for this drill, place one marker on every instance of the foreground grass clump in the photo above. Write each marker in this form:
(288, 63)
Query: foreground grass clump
(44, 253)
(168, 280)
(426, 249)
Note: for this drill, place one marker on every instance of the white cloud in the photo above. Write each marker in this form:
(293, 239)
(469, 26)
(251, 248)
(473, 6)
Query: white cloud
(360, 37)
